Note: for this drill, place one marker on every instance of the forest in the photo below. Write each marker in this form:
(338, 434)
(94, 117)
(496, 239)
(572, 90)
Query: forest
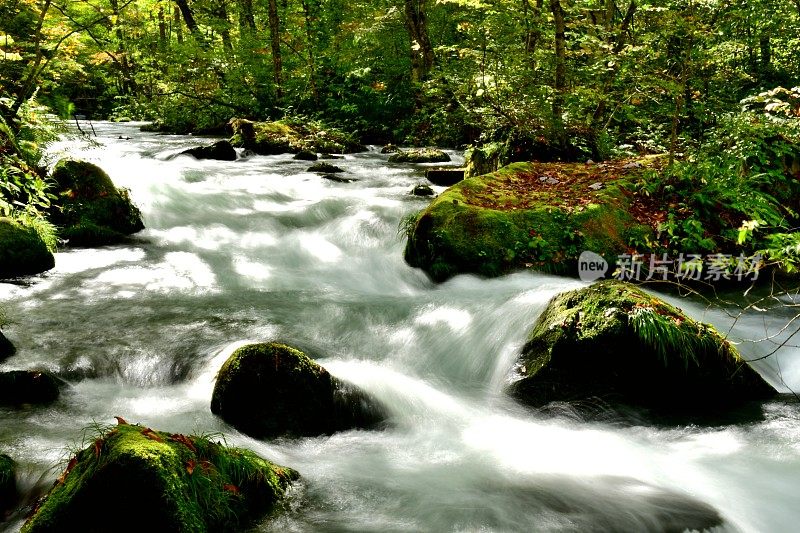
(460, 265)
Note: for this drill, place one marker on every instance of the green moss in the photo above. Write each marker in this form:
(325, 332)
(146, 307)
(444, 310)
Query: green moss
(22, 250)
(89, 208)
(419, 155)
(291, 135)
(615, 341)
(272, 389)
(485, 225)
(169, 482)
(8, 483)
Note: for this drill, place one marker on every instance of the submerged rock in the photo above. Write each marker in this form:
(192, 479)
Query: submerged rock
(305, 155)
(422, 190)
(19, 387)
(324, 168)
(8, 483)
(89, 208)
(338, 179)
(291, 136)
(271, 389)
(6, 348)
(419, 155)
(390, 149)
(157, 481)
(615, 342)
(512, 220)
(22, 252)
(220, 150)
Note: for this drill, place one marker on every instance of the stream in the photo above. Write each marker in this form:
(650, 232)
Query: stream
(259, 249)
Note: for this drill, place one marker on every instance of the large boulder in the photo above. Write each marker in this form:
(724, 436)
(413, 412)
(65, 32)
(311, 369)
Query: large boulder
(220, 150)
(6, 348)
(271, 389)
(291, 136)
(89, 208)
(8, 483)
(419, 155)
(22, 251)
(132, 478)
(537, 216)
(20, 387)
(615, 342)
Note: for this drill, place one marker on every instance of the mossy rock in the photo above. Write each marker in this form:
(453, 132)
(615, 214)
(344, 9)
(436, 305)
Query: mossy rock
(422, 190)
(390, 149)
(8, 483)
(220, 151)
(324, 168)
(419, 155)
(613, 341)
(133, 478)
(89, 208)
(521, 217)
(271, 389)
(305, 155)
(20, 387)
(291, 136)
(6, 348)
(22, 251)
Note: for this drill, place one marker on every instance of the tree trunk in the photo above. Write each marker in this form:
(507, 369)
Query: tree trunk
(275, 37)
(560, 84)
(422, 56)
(27, 86)
(222, 14)
(766, 52)
(312, 44)
(247, 23)
(178, 27)
(188, 19)
(162, 29)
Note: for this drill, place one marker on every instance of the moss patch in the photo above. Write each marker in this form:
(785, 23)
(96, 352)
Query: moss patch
(22, 250)
(614, 341)
(271, 389)
(525, 215)
(161, 482)
(419, 155)
(89, 208)
(292, 136)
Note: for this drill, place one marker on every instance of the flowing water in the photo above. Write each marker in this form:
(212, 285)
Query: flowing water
(259, 249)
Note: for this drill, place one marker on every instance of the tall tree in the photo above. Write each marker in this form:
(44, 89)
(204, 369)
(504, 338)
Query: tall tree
(275, 39)
(422, 56)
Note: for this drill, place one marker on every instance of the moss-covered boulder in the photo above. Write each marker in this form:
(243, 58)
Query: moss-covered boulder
(6, 348)
(616, 342)
(20, 387)
(133, 478)
(324, 168)
(419, 155)
(22, 251)
(8, 483)
(305, 155)
(422, 190)
(89, 208)
(220, 151)
(291, 136)
(271, 389)
(537, 216)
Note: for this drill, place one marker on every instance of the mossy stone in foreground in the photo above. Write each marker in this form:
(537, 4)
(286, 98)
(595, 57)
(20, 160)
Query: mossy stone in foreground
(8, 483)
(91, 210)
(419, 155)
(133, 478)
(271, 389)
(616, 342)
(20, 387)
(522, 217)
(22, 251)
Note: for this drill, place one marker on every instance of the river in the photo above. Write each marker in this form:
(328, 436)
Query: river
(259, 249)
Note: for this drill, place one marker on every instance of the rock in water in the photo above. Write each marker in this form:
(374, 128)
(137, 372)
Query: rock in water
(8, 483)
(220, 150)
(268, 390)
(445, 177)
(422, 190)
(22, 252)
(6, 348)
(614, 341)
(419, 155)
(92, 211)
(20, 387)
(133, 478)
(324, 168)
(305, 155)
